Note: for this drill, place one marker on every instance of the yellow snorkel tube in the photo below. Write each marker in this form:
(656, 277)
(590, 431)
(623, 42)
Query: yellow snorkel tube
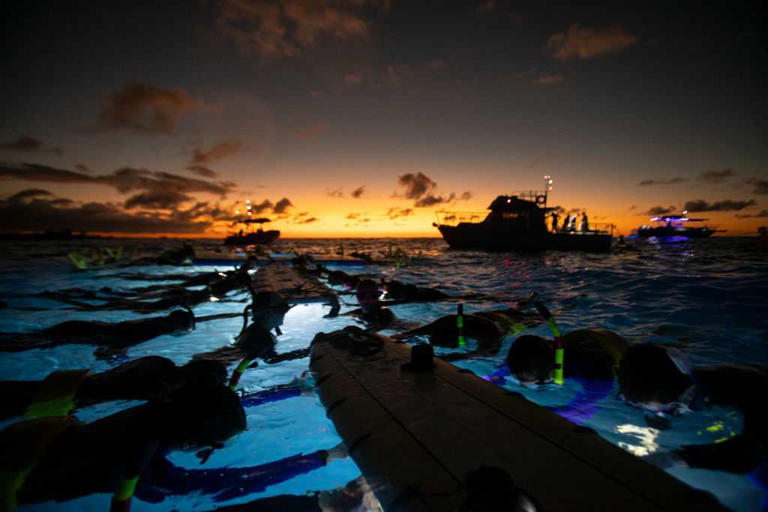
(559, 346)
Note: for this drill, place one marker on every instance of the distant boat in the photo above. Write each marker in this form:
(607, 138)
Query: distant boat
(258, 237)
(672, 228)
(518, 221)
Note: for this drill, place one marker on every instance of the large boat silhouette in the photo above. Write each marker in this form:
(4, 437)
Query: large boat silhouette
(518, 221)
(258, 237)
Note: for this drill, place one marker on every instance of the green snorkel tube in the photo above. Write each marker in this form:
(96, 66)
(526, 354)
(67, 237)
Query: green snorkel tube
(559, 346)
(239, 373)
(460, 324)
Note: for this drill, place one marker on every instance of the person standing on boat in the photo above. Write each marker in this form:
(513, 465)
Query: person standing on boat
(566, 223)
(555, 219)
(584, 227)
(572, 222)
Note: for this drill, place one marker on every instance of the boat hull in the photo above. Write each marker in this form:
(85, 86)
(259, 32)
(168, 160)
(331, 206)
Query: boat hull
(672, 233)
(260, 238)
(478, 236)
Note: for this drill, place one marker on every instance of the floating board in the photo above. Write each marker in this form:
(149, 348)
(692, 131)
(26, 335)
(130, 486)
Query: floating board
(295, 287)
(416, 435)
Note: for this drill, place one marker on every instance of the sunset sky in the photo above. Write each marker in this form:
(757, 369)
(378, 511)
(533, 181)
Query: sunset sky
(365, 117)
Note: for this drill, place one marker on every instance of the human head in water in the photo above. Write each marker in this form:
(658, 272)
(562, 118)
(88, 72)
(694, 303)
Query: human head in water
(531, 359)
(197, 415)
(368, 296)
(269, 309)
(656, 378)
(181, 320)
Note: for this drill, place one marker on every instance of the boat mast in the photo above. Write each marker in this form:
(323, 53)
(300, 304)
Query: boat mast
(547, 188)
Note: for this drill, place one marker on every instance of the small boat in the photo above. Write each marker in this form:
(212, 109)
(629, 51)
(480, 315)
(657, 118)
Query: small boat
(672, 228)
(518, 221)
(258, 237)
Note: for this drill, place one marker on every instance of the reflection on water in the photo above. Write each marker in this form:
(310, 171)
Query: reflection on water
(645, 439)
(706, 297)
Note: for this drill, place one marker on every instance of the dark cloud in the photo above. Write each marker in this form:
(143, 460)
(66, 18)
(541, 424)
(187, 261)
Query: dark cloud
(585, 42)
(83, 168)
(359, 191)
(761, 186)
(338, 193)
(146, 108)
(416, 185)
(311, 129)
(44, 214)
(465, 196)
(716, 176)
(263, 206)
(202, 171)
(699, 205)
(432, 200)
(220, 151)
(124, 180)
(283, 28)
(28, 193)
(282, 205)
(552, 79)
(420, 188)
(157, 199)
(353, 216)
(661, 210)
(671, 181)
(394, 213)
(309, 220)
(29, 145)
(762, 214)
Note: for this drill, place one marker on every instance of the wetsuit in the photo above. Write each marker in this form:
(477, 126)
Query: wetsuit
(112, 335)
(592, 358)
(410, 292)
(488, 328)
(742, 388)
(146, 378)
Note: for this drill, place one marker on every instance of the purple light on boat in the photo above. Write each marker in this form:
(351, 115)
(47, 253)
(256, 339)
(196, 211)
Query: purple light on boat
(668, 239)
(669, 219)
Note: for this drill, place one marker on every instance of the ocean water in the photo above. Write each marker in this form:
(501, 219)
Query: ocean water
(709, 298)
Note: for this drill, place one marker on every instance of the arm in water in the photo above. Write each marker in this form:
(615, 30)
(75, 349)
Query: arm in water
(584, 404)
(163, 479)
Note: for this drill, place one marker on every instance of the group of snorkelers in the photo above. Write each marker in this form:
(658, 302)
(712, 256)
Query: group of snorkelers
(51, 456)
(655, 378)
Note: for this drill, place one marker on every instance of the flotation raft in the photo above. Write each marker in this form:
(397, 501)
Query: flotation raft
(416, 435)
(295, 287)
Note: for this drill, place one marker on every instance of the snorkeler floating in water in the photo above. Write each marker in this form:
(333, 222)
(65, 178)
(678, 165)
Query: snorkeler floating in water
(55, 459)
(255, 341)
(591, 358)
(108, 336)
(146, 378)
(160, 297)
(660, 379)
(58, 458)
(371, 311)
(487, 328)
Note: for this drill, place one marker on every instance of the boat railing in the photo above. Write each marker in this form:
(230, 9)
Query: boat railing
(455, 218)
(528, 195)
(598, 228)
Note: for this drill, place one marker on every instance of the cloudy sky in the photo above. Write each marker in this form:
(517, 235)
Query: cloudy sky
(365, 117)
